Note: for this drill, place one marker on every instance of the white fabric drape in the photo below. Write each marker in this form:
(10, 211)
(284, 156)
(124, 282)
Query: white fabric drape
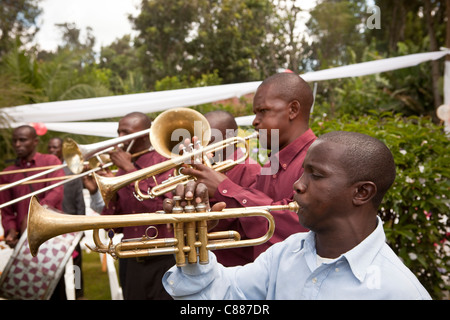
(60, 115)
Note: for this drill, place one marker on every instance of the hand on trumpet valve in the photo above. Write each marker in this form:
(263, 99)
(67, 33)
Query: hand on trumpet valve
(192, 194)
(190, 146)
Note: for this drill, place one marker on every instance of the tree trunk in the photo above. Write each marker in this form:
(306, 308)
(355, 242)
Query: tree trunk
(435, 74)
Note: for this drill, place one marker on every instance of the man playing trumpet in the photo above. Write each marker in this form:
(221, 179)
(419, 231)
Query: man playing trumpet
(344, 256)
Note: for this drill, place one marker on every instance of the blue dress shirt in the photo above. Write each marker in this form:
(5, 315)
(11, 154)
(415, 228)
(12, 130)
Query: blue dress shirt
(290, 270)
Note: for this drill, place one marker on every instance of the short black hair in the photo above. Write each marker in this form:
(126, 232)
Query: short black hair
(291, 86)
(365, 159)
(144, 119)
(27, 127)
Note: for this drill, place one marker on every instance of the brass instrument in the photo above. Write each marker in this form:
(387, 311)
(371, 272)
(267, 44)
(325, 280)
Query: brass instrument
(57, 166)
(191, 239)
(50, 169)
(76, 154)
(164, 141)
(96, 164)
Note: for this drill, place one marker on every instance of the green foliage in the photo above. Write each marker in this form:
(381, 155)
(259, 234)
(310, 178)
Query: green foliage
(183, 81)
(415, 210)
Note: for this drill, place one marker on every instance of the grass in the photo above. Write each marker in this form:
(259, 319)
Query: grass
(96, 282)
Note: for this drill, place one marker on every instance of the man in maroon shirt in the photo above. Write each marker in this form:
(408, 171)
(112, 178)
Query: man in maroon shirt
(224, 126)
(140, 277)
(14, 216)
(282, 106)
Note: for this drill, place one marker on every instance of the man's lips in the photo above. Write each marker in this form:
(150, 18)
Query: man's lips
(300, 204)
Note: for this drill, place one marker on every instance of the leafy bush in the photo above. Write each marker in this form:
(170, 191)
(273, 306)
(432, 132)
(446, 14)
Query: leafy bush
(415, 210)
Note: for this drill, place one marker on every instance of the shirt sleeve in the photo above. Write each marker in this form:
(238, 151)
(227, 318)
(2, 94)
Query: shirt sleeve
(53, 198)
(97, 203)
(214, 281)
(237, 196)
(8, 217)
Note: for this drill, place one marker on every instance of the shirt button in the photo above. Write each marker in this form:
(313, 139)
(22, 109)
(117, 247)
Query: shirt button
(171, 282)
(244, 201)
(274, 176)
(284, 165)
(314, 280)
(337, 269)
(225, 191)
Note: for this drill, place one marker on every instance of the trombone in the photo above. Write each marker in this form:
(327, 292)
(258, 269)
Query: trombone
(162, 139)
(37, 175)
(190, 243)
(75, 156)
(96, 167)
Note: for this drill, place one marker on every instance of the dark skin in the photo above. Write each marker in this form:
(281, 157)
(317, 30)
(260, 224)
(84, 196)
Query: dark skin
(271, 112)
(24, 142)
(340, 213)
(196, 193)
(120, 157)
(55, 147)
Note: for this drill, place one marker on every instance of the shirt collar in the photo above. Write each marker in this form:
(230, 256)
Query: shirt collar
(23, 163)
(360, 258)
(288, 153)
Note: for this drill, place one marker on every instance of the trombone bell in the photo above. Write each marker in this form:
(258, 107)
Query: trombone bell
(173, 126)
(75, 154)
(190, 243)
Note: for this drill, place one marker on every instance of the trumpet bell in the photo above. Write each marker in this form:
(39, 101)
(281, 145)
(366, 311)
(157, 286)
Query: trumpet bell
(173, 126)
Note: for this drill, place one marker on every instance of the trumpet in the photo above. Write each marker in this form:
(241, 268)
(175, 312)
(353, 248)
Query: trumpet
(190, 243)
(162, 139)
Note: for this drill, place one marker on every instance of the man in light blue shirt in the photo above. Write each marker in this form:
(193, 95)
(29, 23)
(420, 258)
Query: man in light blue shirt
(344, 256)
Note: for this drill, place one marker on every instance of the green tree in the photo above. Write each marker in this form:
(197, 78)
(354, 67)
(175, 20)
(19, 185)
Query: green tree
(242, 40)
(335, 27)
(121, 58)
(238, 38)
(163, 29)
(17, 20)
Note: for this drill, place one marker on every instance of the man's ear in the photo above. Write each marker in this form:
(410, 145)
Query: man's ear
(294, 109)
(364, 192)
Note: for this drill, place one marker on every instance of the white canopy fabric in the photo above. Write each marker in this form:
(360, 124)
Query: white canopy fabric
(60, 115)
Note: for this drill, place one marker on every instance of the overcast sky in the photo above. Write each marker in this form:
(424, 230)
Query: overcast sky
(107, 18)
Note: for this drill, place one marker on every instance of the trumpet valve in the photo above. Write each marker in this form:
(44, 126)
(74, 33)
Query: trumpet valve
(202, 227)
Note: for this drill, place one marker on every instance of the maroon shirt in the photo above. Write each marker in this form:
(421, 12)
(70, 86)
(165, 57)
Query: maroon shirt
(126, 203)
(269, 189)
(14, 216)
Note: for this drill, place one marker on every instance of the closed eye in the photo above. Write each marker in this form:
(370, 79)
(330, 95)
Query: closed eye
(313, 172)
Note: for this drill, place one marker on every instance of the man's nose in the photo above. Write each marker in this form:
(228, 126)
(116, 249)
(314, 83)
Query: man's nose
(255, 122)
(299, 185)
